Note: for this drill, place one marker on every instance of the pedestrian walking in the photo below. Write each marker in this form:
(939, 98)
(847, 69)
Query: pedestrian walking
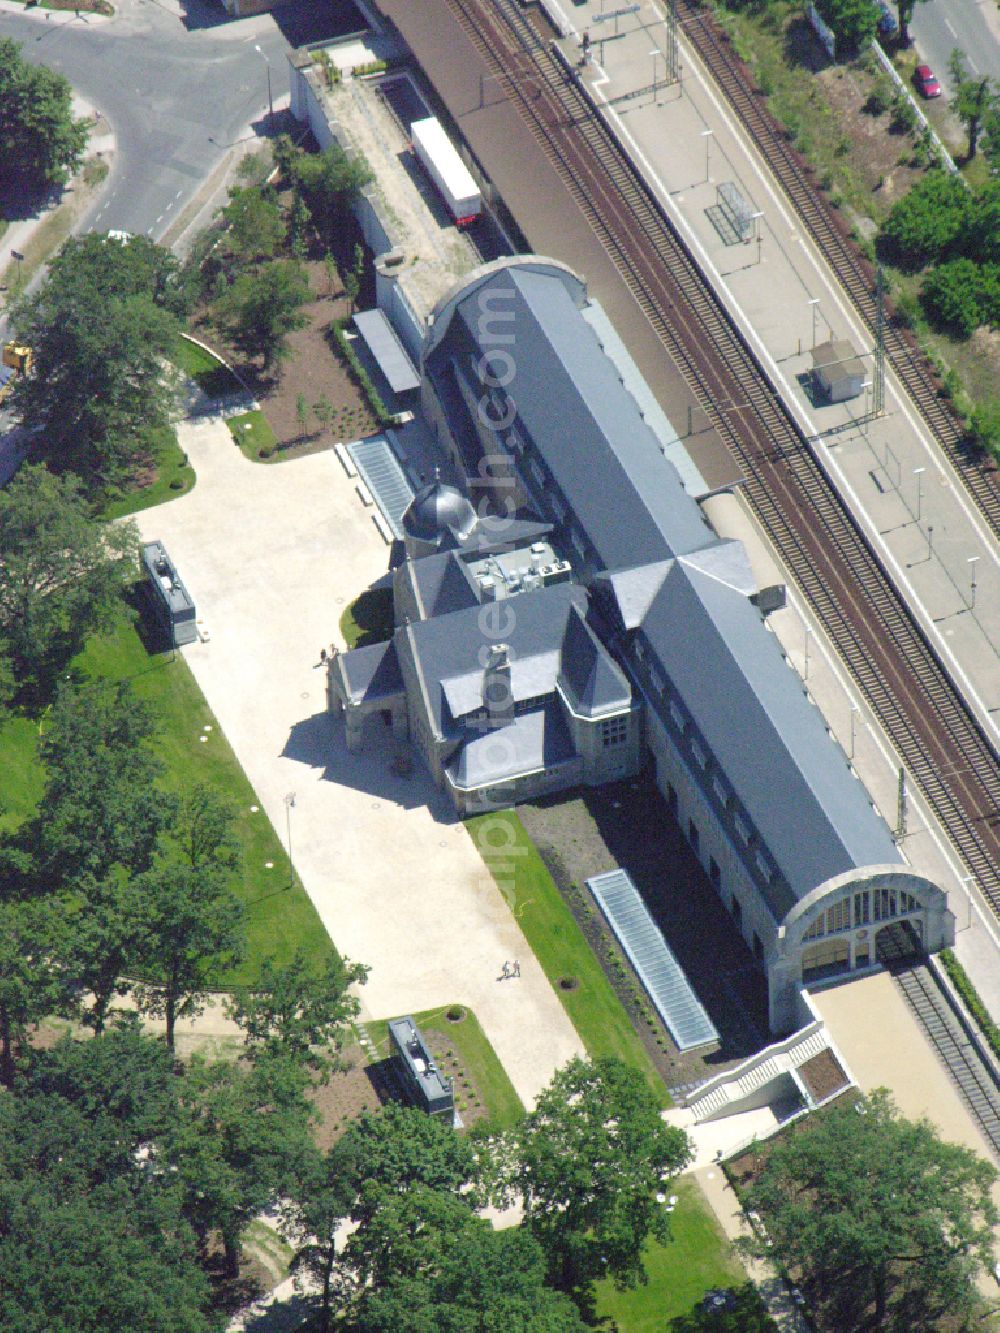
(505, 971)
(517, 968)
(322, 654)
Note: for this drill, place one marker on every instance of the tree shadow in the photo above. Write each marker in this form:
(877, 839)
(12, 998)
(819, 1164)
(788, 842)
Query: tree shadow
(803, 49)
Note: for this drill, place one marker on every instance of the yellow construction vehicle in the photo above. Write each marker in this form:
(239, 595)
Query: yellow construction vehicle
(14, 360)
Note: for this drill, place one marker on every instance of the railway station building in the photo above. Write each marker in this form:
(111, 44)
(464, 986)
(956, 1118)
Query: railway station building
(566, 614)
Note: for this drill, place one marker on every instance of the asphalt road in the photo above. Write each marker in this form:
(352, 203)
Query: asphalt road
(972, 25)
(179, 85)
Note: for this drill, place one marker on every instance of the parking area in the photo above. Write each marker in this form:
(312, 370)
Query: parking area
(272, 555)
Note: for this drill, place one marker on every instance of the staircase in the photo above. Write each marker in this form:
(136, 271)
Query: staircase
(729, 1092)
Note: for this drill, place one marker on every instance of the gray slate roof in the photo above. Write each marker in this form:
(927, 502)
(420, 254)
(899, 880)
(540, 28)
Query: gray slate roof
(607, 462)
(442, 584)
(593, 680)
(813, 815)
(370, 673)
(533, 741)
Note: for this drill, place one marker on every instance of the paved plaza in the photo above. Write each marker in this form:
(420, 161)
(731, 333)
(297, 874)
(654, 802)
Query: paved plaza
(272, 555)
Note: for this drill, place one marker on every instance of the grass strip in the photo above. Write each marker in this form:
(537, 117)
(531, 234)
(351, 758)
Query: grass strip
(970, 997)
(280, 918)
(697, 1258)
(558, 943)
(252, 432)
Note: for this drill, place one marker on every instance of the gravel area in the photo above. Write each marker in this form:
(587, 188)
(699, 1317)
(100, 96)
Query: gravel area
(627, 824)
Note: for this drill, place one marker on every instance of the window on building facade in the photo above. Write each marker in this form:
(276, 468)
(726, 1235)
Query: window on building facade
(883, 904)
(838, 917)
(693, 835)
(676, 716)
(614, 731)
(861, 909)
(763, 865)
(719, 787)
(742, 828)
(698, 753)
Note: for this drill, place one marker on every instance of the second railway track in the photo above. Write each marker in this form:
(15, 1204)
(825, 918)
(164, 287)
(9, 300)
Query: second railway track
(828, 230)
(943, 746)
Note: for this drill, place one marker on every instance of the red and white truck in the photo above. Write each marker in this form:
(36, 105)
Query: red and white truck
(446, 169)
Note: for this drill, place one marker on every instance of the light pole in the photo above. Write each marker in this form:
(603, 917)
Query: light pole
(270, 101)
(654, 53)
(971, 561)
(805, 668)
(707, 136)
(966, 883)
(918, 472)
(814, 302)
(755, 219)
(289, 804)
(930, 540)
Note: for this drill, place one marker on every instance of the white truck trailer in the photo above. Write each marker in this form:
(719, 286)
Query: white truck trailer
(446, 169)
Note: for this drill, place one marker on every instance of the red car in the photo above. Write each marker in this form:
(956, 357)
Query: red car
(926, 81)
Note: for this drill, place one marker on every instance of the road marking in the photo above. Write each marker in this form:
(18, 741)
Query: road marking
(951, 29)
(972, 65)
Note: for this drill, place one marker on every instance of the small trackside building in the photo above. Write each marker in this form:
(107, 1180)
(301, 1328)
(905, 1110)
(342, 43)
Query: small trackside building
(638, 639)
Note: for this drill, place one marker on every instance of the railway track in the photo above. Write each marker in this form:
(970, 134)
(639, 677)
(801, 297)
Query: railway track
(829, 231)
(941, 743)
(975, 1083)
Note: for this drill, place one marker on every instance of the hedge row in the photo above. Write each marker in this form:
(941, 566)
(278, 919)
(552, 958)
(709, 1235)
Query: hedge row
(361, 376)
(960, 980)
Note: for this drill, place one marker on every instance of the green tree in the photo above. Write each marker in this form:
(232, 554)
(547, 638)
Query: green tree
(299, 225)
(426, 1263)
(330, 181)
(378, 1160)
(255, 227)
(323, 410)
(906, 8)
(88, 1240)
(961, 295)
(40, 142)
(332, 272)
(928, 222)
(239, 1143)
(113, 1259)
(980, 238)
(302, 413)
(887, 1224)
(193, 926)
(590, 1159)
(746, 1314)
(62, 573)
(300, 1011)
(354, 279)
(102, 941)
(201, 830)
(101, 807)
(101, 327)
(972, 99)
(261, 309)
(854, 22)
(30, 984)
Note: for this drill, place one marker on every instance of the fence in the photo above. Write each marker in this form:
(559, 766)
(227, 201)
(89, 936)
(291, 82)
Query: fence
(947, 161)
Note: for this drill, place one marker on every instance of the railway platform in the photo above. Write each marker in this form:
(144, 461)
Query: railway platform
(937, 547)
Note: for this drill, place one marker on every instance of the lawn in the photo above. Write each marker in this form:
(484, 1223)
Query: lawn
(368, 619)
(173, 476)
(697, 1258)
(253, 433)
(467, 1039)
(209, 373)
(558, 944)
(280, 919)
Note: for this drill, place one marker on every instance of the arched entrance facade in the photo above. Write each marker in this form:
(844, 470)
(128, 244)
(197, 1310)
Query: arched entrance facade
(853, 922)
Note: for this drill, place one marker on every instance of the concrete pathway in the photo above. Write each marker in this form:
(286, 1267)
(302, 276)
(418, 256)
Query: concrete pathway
(272, 555)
